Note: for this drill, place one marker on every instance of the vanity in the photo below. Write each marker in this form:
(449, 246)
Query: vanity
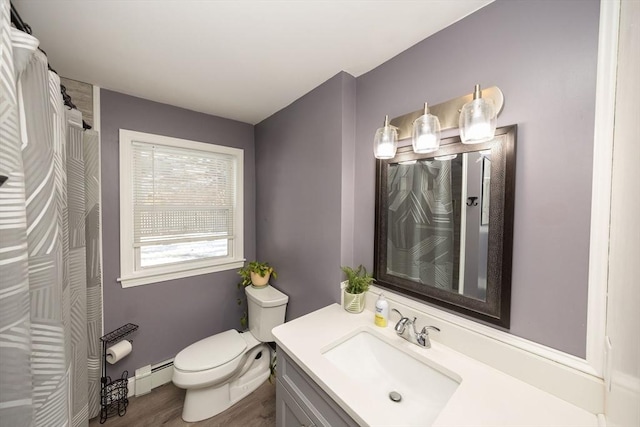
(339, 369)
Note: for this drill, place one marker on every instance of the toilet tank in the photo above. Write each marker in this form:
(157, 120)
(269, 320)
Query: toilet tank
(267, 307)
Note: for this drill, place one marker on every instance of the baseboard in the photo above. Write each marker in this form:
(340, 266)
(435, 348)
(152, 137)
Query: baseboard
(131, 387)
(161, 374)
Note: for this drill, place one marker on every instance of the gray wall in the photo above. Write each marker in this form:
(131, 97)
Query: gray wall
(304, 199)
(542, 54)
(175, 313)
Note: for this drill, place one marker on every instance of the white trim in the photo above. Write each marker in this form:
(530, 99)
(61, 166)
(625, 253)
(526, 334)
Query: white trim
(132, 277)
(131, 387)
(158, 378)
(97, 121)
(145, 279)
(96, 109)
(69, 378)
(601, 184)
(463, 220)
(161, 376)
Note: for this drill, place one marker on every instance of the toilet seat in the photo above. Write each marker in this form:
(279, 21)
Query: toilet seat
(211, 352)
(188, 369)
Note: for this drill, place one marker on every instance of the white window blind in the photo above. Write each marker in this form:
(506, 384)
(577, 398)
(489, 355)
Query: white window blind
(181, 195)
(181, 208)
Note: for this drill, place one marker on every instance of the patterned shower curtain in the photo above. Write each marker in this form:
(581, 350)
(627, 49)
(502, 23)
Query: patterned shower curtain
(420, 240)
(50, 297)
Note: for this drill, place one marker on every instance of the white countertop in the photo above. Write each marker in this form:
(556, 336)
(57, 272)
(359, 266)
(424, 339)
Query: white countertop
(485, 396)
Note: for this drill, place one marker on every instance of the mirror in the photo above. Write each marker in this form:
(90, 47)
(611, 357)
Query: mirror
(444, 225)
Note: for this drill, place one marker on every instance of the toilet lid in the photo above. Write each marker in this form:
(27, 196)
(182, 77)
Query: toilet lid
(211, 352)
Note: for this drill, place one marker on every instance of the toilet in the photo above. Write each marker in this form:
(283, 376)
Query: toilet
(220, 370)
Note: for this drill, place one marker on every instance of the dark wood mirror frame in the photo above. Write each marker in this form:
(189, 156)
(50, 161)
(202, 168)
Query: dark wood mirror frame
(496, 307)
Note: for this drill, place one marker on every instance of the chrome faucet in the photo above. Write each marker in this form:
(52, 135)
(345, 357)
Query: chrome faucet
(420, 338)
(402, 323)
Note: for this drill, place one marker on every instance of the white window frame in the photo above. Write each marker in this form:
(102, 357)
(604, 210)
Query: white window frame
(129, 276)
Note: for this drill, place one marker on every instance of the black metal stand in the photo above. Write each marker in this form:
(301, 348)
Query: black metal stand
(113, 394)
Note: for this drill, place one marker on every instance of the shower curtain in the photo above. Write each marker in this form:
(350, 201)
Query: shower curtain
(50, 285)
(420, 238)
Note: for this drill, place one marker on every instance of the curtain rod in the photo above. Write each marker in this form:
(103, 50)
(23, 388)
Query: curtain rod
(25, 28)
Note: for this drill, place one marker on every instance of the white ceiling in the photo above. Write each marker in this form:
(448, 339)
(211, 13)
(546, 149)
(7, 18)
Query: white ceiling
(241, 59)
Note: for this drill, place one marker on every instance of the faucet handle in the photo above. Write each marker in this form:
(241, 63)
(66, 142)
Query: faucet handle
(424, 330)
(402, 323)
(423, 336)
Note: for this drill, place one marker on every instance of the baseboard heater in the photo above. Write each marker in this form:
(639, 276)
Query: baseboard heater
(149, 377)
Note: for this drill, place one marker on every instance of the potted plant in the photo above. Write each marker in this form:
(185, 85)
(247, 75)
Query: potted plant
(256, 274)
(357, 284)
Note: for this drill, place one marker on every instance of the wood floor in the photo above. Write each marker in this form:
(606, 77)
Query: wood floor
(163, 407)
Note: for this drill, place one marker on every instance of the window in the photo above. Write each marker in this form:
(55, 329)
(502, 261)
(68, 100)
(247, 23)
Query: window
(181, 210)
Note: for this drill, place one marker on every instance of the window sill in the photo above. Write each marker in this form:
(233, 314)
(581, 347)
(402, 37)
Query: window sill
(145, 277)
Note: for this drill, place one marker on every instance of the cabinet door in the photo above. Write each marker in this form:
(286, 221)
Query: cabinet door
(317, 404)
(288, 412)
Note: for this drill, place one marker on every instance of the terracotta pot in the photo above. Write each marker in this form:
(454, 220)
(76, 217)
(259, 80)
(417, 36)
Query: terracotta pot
(354, 303)
(258, 281)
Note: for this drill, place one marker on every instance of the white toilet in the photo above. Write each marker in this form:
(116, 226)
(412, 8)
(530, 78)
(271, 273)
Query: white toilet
(220, 370)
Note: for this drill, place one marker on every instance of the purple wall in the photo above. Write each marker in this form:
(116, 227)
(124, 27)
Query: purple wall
(175, 313)
(315, 176)
(542, 54)
(304, 202)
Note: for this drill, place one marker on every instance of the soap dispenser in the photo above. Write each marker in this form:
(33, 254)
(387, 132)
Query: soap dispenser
(382, 312)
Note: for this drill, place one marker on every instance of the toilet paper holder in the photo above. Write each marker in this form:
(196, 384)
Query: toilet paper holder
(113, 394)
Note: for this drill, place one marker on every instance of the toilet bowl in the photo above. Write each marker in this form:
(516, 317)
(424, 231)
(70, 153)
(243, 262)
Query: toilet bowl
(220, 370)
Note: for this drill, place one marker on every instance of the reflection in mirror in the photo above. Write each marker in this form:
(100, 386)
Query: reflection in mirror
(437, 237)
(444, 225)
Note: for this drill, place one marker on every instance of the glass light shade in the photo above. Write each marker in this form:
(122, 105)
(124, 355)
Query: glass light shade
(444, 158)
(426, 134)
(478, 119)
(385, 142)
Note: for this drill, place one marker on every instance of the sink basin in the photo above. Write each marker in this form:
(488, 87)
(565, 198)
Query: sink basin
(384, 370)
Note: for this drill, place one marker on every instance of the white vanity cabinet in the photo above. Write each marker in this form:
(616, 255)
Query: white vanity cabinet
(319, 391)
(301, 402)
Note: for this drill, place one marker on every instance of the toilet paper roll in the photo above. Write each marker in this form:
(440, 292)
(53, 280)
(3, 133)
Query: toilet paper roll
(118, 351)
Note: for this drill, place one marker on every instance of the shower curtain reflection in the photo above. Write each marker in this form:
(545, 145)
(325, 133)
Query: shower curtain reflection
(421, 223)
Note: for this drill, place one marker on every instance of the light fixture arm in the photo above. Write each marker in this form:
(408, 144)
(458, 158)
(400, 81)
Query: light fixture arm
(448, 112)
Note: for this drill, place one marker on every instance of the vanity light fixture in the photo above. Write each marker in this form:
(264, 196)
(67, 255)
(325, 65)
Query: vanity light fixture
(385, 143)
(426, 132)
(478, 119)
(475, 114)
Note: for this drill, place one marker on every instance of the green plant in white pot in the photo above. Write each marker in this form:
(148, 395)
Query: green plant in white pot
(357, 284)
